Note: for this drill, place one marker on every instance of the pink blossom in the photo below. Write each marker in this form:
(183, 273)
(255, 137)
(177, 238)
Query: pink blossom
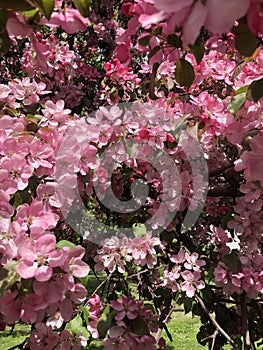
(55, 321)
(70, 20)
(125, 308)
(179, 258)
(27, 91)
(191, 282)
(74, 263)
(40, 155)
(252, 161)
(18, 169)
(172, 6)
(192, 262)
(35, 218)
(56, 111)
(39, 259)
(17, 26)
(254, 17)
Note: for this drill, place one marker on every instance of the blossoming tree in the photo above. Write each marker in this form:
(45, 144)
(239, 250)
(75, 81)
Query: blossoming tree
(131, 155)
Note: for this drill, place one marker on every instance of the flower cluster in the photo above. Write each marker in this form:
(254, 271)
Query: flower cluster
(185, 273)
(115, 253)
(192, 129)
(133, 321)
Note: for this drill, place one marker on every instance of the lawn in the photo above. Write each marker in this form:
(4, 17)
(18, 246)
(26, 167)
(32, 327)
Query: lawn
(182, 327)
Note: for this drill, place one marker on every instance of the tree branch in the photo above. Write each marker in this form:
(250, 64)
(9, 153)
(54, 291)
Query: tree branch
(222, 191)
(245, 324)
(215, 323)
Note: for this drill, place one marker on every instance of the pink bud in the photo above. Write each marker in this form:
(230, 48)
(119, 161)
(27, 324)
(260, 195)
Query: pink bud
(39, 35)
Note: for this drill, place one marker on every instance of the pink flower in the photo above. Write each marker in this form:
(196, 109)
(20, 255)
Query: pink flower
(254, 17)
(146, 342)
(55, 321)
(115, 344)
(74, 263)
(191, 282)
(18, 169)
(217, 19)
(192, 262)
(70, 20)
(125, 308)
(6, 210)
(16, 25)
(40, 154)
(171, 5)
(54, 290)
(179, 258)
(35, 218)
(43, 337)
(46, 193)
(56, 111)
(252, 161)
(39, 259)
(27, 91)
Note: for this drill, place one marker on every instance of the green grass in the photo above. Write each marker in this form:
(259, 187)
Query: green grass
(18, 335)
(183, 329)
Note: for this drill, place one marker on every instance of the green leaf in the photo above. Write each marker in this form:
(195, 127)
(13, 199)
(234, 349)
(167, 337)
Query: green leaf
(65, 243)
(8, 276)
(174, 40)
(241, 90)
(139, 229)
(3, 20)
(188, 303)
(232, 262)
(157, 31)
(154, 51)
(4, 42)
(255, 90)
(46, 7)
(207, 295)
(245, 42)
(31, 13)
(105, 322)
(198, 51)
(16, 5)
(138, 326)
(76, 324)
(85, 314)
(167, 236)
(184, 74)
(152, 81)
(83, 7)
(145, 40)
(237, 102)
(84, 332)
(130, 147)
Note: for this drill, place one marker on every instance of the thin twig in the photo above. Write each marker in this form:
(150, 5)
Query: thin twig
(19, 346)
(245, 324)
(214, 339)
(212, 336)
(168, 316)
(102, 283)
(215, 323)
